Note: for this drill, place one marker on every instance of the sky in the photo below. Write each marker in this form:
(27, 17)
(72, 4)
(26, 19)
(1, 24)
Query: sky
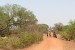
(48, 11)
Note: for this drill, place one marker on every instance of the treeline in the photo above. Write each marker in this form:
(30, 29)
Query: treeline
(67, 32)
(18, 27)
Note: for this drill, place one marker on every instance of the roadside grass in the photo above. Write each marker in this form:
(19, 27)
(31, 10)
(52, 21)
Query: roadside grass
(24, 39)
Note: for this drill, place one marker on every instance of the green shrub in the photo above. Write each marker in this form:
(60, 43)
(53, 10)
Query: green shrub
(2, 42)
(64, 35)
(15, 42)
(20, 41)
(24, 39)
(30, 38)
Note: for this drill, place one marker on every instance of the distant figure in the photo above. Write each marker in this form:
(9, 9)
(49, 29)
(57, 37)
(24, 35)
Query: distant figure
(54, 35)
(47, 34)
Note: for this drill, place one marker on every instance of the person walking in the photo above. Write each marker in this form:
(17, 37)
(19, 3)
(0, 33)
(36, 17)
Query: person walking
(47, 34)
(54, 34)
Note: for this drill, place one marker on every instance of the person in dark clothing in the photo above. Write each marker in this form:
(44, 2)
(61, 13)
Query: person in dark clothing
(54, 35)
(47, 34)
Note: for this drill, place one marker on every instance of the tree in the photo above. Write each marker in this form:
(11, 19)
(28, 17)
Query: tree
(58, 27)
(43, 28)
(3, 21)
(69, 31)
(15, 15)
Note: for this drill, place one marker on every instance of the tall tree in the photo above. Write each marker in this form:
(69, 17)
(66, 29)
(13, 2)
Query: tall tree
(15, 15)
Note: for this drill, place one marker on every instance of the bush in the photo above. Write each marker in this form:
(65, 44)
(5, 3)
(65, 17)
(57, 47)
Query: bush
(2, 42)
(15, 42)
(30, 38)
(20, 41)
(69, 32)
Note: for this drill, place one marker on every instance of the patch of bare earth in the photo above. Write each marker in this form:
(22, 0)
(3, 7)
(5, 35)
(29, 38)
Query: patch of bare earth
(69, 45)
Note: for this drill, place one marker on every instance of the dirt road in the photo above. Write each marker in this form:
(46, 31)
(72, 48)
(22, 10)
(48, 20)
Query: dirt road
(50, 43)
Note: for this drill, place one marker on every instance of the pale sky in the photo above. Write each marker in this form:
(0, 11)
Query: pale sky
(48, 11)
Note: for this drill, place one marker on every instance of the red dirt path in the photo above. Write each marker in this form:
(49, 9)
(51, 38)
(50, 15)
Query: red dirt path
(51, 43)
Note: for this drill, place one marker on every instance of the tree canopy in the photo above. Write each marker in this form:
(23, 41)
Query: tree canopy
(15, 15)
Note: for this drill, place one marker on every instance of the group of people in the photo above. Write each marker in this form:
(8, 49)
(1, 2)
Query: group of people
(51, 34)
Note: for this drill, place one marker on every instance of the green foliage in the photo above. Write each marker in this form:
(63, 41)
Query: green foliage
(2, 42)
(40, 28)
(58, 27)
(20, 41)
(15, 42)
(15, 15)
(20, 27)
(43, 28)
(69, 31)
(30, 38)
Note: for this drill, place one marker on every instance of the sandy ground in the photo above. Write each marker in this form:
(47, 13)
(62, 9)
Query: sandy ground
(47, 45)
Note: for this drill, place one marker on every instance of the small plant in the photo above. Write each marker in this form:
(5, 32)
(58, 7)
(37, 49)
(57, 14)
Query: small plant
(2, 42)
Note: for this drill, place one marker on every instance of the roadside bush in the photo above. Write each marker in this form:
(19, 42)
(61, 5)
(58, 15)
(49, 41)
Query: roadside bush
(20, 41)
(15, 42)
(30, 38)
(2, 42)
(68, 32)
